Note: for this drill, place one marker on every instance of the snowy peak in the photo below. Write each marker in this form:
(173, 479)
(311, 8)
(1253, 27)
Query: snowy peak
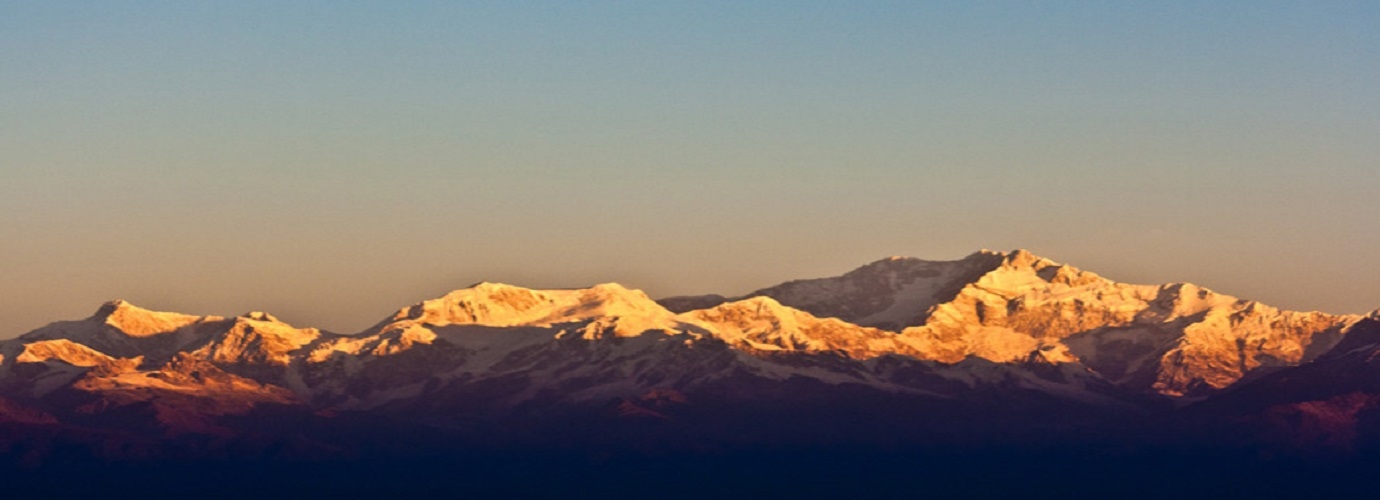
(762, 307)
(764, 325)
(500, 305)
(490, 304)
(890, 293)
(760, 310)
(1176, 339)
(260, 316)
(899, 292)
(606, 310)
(1021, 267)
(257, 337)
(1003, 327)
(1180, 300)
(1010, 308)
(1024, 258)
(47, 365)
(139, 322)
(71, 353)
(1017, 258)
(121, 329)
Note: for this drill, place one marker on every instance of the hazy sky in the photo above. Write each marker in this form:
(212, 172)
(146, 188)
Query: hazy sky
(331, 162)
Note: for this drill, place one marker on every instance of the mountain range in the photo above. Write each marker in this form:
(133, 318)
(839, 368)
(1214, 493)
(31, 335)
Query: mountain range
(997, 349)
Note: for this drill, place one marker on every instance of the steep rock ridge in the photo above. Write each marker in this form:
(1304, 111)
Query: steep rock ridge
(735, 351)
(889, 294)
(187, 394)
(125, 355)
(261, 347)
(47, 365)
(1230, 342)
(602, 310)
(70, 353)
(1176, 339)
(1179, 339)
(139, 322)
(1025, 302)
(994, 328)
(795, 344)
(499, 305)
(687, 303)
(495, 347)
(763, 324)
(122, 329)
(493, 331)
(1327, 402)
(496, 371)
(257, 338)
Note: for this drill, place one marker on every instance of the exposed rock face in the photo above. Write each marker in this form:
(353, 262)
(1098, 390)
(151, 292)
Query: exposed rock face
(889, 294)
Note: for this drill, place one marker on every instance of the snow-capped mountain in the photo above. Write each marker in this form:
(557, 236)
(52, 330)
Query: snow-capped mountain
(995, 341)
(1176, 339)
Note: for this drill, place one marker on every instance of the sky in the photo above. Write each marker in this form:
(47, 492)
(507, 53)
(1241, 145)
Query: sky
(331, 162)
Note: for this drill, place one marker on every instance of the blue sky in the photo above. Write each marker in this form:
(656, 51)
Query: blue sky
(330, 161)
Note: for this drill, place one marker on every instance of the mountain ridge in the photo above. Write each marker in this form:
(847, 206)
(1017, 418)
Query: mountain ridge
(965, 338)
